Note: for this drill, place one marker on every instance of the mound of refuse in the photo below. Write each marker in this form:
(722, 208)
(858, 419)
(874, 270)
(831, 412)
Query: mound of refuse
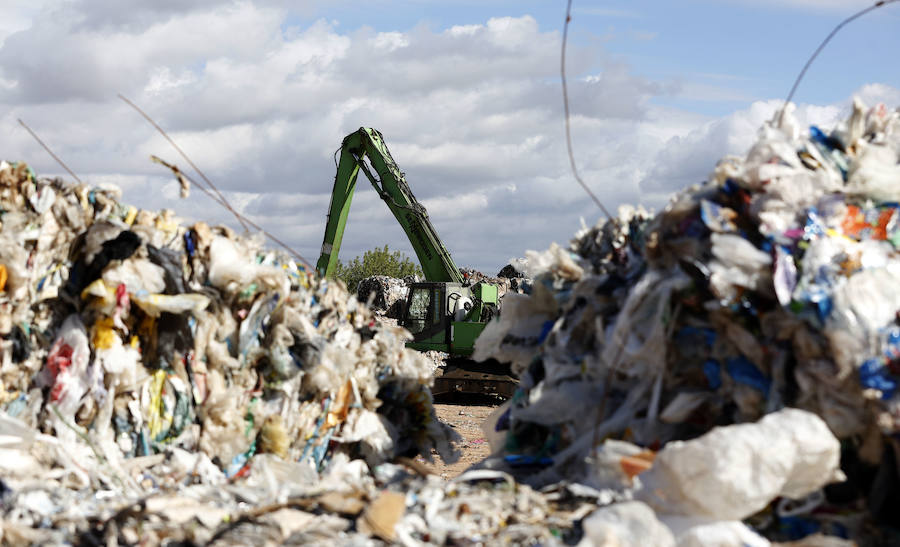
(141, 357)
(383, 294)
(775, 284)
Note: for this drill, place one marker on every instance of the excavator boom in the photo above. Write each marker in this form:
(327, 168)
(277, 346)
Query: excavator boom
(389, 182)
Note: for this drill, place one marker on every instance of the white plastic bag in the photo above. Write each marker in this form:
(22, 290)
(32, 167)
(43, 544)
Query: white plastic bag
(227, 265)
(875, 173)
(155, 304)
(732, 472)
(695, 532)
(627, 524)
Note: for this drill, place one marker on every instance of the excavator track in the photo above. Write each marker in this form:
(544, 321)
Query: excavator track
(467, 376)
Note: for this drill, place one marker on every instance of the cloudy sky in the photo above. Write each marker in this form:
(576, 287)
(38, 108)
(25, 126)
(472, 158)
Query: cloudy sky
(466, 93)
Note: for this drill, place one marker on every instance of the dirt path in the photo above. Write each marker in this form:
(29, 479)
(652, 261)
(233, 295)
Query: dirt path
(465, 419)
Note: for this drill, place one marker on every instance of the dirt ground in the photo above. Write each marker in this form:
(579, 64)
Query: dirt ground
(466, 419)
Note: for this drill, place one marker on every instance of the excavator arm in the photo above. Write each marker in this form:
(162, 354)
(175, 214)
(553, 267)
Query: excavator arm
(389, 182)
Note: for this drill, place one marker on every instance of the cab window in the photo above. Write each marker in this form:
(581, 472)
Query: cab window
(419, 308)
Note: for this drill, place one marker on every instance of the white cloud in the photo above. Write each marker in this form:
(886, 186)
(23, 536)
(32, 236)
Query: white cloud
(456, 206)
(464, 30)
(162, 80)
(62, 59)
(511, 33)
(390, 41)
(879, 93)
(17, 16)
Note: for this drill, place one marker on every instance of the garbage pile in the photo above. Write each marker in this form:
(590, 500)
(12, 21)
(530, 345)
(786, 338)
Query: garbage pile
(775, 284)
(149, 367)
(383, 294)
(508, 279)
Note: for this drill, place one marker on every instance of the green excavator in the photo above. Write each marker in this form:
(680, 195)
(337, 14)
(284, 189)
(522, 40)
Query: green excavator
(444, 313)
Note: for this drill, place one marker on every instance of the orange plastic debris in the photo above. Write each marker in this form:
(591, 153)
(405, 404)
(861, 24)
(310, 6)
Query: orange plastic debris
(637, 464)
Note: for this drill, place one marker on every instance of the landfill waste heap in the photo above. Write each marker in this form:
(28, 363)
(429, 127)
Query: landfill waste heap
(722, 373)
(775, 284)
(384, 295)
(144, 358)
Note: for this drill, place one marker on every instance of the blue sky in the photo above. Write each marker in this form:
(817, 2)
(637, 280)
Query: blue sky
(467, 95)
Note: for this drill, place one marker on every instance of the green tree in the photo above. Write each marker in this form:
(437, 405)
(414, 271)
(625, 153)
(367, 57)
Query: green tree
(378, 261)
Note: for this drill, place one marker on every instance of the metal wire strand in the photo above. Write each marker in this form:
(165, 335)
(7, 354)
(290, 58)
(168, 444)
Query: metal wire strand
(47, 148)
(215, 195)
(240, 217)
(819, 49)
(565, 92)
(187, 159)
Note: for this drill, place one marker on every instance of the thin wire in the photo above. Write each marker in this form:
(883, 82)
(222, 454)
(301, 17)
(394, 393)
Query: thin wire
(174, 168)
(183, 155)
(47, 148)
(240, 217)
(827, 39)
(562, 72)
(176, 171)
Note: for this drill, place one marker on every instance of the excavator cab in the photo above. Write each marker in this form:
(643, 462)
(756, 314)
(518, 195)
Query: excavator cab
(446, 316)
(425, 316)
(423, 308)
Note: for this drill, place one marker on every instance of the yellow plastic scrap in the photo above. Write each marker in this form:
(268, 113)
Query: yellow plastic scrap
(831, 232)
(104, 334)
(166, 222)
(131, 215)
(273, 437)
(3, 276)
(165, 405)
(99, 289)
(83, 200)
(158, 420)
